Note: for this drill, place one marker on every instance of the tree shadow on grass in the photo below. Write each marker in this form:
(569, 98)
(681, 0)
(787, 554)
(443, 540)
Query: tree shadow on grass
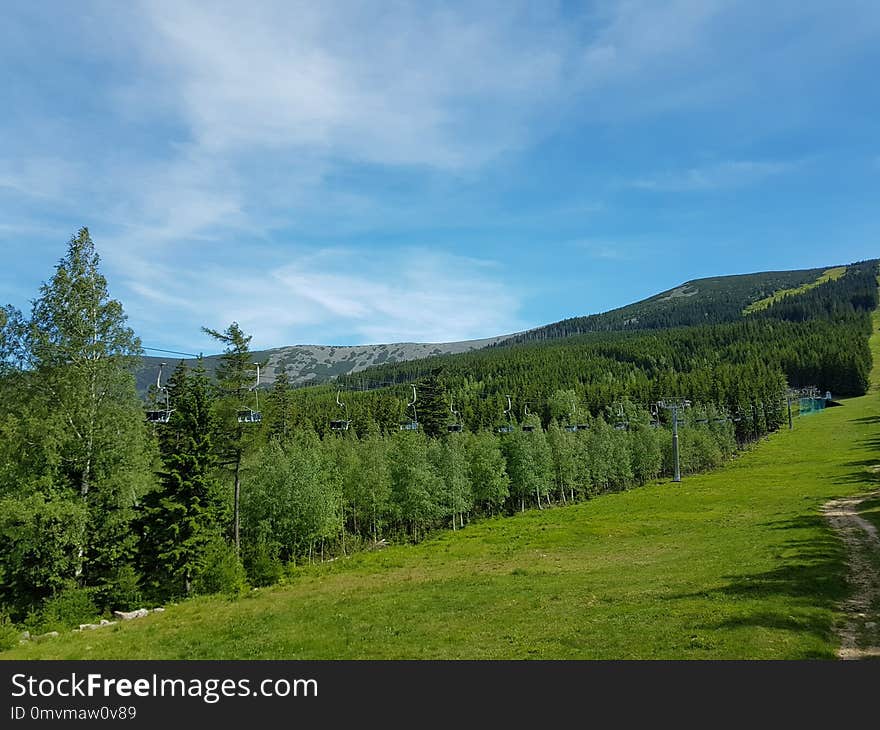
(867, 420)
(870, 444)
(864, 473)
(801, 522)
(865, 463)
(814, 577)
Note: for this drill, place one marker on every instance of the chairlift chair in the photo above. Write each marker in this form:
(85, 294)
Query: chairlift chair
(455, 426)
(342, 424)
(160, 415)
(412, 425)
(528, 427)
(508, 426)
(252, 415)
(622, 423)
(248, 415)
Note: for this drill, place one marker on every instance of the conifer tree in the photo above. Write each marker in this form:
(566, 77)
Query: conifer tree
(432, 406)
(235, 377)
(181, 519)
(278, 406)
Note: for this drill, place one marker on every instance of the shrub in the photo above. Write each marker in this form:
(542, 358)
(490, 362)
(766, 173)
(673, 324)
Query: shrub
(123, 591)
(9, 635)
(264, 567)
(69, 607)
(223, 572)
(40, 541)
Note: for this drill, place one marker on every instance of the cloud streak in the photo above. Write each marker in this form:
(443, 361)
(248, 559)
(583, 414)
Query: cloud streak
(329, 296)
(721, 175)
(351, 82)
(204, 144)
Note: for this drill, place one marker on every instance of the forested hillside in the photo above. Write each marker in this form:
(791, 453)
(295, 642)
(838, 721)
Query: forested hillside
(107, 501)
(815, 338)
(702, 301)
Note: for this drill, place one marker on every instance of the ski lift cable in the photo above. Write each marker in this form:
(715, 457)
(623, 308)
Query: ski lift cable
(170, 352)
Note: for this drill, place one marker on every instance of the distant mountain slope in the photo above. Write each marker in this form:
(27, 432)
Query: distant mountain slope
(712, 300)
(762, 304)
(701, 301)
(315, 364)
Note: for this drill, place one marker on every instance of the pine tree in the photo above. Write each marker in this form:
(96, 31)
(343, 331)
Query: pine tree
(181, 519)
(278, 406)
(432, 406)
(235, 376)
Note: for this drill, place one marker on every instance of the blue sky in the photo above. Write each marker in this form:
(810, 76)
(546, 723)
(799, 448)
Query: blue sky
(368, 172)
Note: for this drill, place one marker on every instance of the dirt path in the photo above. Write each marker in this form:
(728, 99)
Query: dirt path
(859, 633)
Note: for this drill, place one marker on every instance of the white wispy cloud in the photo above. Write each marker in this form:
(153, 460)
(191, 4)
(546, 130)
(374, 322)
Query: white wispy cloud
(727, 174)
(411, 294)
(231, 127)
(605, 249)
(639, 34)
(38, 176)
(390, 84)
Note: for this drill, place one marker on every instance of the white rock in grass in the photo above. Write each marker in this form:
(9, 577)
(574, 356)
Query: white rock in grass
(129, 615)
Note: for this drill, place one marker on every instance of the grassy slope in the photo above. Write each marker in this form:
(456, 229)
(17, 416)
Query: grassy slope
(828, 275)
(733, 564)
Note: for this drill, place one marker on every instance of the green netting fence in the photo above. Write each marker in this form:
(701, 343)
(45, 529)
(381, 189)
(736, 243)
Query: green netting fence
(809, 406)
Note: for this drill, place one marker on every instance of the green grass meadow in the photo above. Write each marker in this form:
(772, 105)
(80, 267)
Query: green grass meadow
(733, 564)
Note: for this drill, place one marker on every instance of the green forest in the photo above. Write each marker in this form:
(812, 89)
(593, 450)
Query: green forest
(211, 486)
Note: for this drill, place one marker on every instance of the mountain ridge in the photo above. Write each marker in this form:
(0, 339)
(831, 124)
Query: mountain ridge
(706, 300)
